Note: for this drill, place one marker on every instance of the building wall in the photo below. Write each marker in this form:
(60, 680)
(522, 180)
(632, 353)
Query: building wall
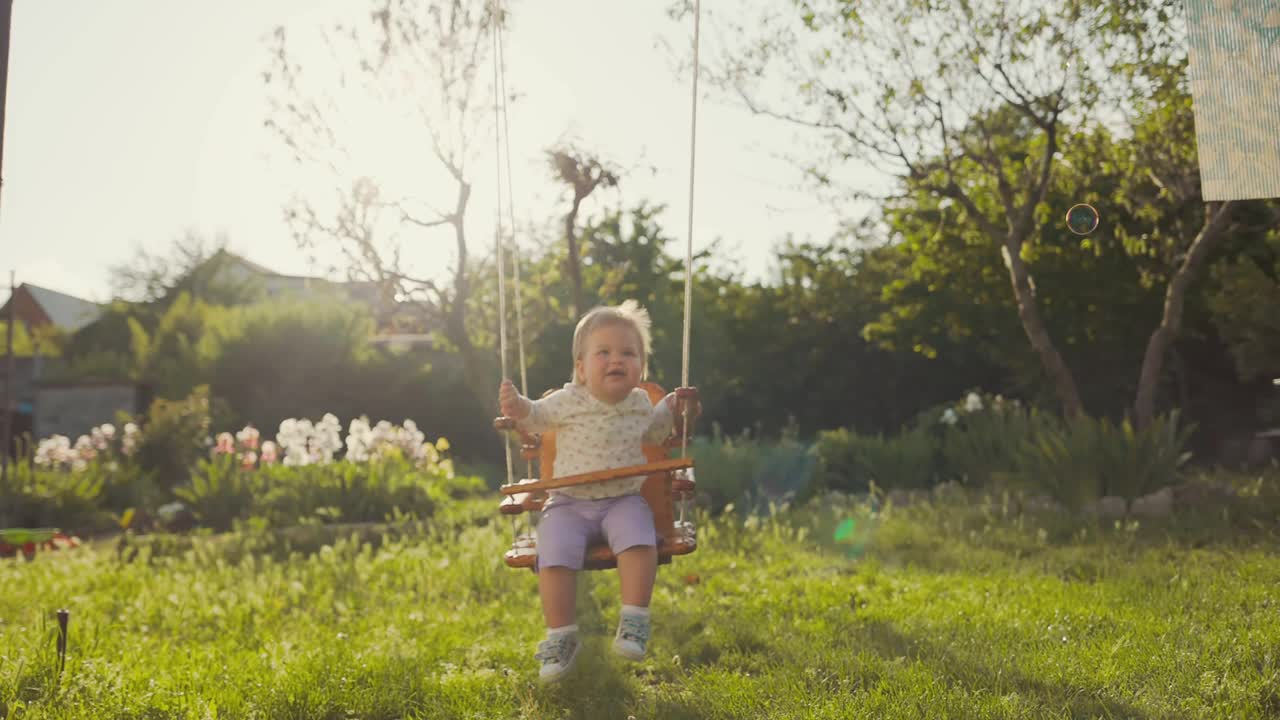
(72, 410)
(24, 369)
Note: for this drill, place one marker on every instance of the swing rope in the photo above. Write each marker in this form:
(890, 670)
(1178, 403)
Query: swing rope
(499, 109)
(511, 215)
(688, 256)
(511, 212)
(501, 130)
(497, 228)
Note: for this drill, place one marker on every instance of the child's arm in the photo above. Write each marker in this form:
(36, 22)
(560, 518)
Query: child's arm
(668, 416)
(512, 403)
(660, 422)
(532, 415)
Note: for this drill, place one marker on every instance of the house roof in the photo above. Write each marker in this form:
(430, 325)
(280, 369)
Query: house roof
(65, 311)
(244, 261)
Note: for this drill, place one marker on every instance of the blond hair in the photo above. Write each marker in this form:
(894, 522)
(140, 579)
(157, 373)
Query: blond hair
(629, 313)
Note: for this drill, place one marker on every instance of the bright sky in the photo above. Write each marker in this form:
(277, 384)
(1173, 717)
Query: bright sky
(130, 122)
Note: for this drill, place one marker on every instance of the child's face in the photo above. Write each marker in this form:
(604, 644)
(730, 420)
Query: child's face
(610, 364)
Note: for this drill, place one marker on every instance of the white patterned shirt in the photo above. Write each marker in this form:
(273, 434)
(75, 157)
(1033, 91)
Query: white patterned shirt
(593, 435)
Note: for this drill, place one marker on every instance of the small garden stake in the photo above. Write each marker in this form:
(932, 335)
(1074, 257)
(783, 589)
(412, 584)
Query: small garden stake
(63, 616)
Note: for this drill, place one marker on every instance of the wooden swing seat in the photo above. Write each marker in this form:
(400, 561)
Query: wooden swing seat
(665, 482)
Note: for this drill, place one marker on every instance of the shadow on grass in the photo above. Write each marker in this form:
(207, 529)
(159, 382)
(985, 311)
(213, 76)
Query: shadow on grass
(599, 685)
(974, 674)
(596, 688)
(1076, 548)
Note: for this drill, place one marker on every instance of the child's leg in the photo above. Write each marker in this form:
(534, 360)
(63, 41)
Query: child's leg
(628, 525)
(562, 544)
(558, 587)
(562, 538)
(637, 570)
(559, 651)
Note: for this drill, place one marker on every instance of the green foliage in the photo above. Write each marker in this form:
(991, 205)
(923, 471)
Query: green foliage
(853, 463)
(177, 358)
(222, 494)
(267, 362)
(112, 347)
(49, 339)
(31, 497)
(982, 445)
(1247, 291)
(800, 329)
(1078, 461)
(21, 339)
(745, 471)
(174, 437)
(95, 364)
(803, 333)
(127, 485)
(219, 492)
(987, 441)
(293, 359)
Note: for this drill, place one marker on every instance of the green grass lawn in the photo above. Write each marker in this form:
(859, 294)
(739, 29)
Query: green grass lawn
(956, 609)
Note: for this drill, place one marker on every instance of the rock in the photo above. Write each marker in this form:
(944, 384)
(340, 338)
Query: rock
(1199, 495)
(1263, 448)
(1110, 507)
(1157, 504)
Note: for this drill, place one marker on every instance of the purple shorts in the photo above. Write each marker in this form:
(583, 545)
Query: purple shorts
(570, 524)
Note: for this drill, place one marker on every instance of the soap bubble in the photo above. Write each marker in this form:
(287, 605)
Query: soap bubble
(1082, 219)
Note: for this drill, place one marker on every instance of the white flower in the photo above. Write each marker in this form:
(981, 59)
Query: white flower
(84, 448)
(949, 417)
(169, 510)
(972, 403)
(248, 437)
(304, 443)
(53, 451)
(129, 442)
(359, 437)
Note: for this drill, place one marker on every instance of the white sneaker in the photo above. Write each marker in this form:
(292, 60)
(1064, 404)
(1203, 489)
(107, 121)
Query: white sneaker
(557, 654)
(632, 637)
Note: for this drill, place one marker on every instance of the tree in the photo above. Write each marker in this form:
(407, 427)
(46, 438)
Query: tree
(583, 174)
(1178, 228)
(1243, 305)
(195, 265)
(969, 102)
(419, 62)
(949, 287)
(963, 100)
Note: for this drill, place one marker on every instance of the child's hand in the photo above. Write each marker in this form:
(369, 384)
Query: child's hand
(511, 403)
(677, 405)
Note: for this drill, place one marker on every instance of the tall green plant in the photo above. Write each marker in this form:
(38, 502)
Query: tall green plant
(743, 469)
(173, 437)
(980, 444)
(31, 497)
(220, 492)
(1078, 461)
(223, 492)
(851, 462)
